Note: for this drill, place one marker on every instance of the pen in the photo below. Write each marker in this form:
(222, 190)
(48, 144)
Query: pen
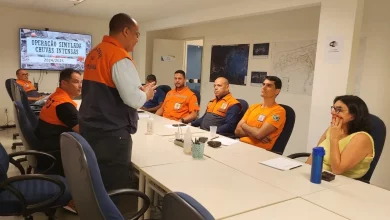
(214, 138)
(295, 167)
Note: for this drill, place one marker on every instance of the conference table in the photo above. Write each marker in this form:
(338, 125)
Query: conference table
(231, 183)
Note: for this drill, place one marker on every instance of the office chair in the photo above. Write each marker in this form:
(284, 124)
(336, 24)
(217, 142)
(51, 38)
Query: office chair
(9, 85)
(197, 94)
(179, 206)
(20, 95)
(28, 194)
(89, 195)
(164, 88)
(378, 134)
(281, 142)
(244, 105)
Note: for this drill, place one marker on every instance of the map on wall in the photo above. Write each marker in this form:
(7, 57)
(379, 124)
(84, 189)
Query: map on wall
(293, 62)
(231, 62)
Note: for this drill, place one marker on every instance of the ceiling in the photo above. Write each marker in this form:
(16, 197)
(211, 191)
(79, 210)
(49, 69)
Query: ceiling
(141, 10)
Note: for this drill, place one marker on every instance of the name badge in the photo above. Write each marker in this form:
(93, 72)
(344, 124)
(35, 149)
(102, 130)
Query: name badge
(224, 105)
(177, 106)
(261, 118)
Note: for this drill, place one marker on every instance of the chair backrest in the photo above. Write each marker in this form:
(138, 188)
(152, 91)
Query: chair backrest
(26, 131)
(4, 163)
(244, 105)
(21, 95)
(179, 206)
(164, 88)
(84, 179)
(282, 140)
(197, 94)
(378, 133)
(9, 85)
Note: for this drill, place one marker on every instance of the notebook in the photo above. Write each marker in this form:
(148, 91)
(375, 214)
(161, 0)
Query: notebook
(282, 163)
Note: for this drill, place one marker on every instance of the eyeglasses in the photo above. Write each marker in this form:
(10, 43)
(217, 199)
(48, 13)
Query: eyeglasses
(336, 109)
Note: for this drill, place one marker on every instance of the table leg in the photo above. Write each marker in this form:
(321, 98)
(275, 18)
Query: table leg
(141, 188)
(149, 193)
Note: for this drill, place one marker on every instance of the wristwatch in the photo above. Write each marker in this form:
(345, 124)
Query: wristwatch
(182, 120)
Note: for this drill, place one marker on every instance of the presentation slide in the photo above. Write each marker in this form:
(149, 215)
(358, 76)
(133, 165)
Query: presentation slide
(49, 50)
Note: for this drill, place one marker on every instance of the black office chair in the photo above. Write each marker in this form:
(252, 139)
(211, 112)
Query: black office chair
(32, 115)
(86, 185)
(244, 105)
(28, 194)
(179, 206)
(9, 85)
(281, 142)
(197, 94)
(378, 134)
(164, 88)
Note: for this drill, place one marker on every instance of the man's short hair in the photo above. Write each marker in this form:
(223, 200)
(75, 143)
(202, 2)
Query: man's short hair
(276, 80)
(151, 77)
(18, 70)
(181, 72)
(119, 21)
(66, 74)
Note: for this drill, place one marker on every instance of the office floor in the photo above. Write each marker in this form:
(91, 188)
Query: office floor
(62, 214)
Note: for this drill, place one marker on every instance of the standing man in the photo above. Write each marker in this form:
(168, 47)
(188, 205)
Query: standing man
(181, 103)
(263, 123)
(223, 111)
(111, 95)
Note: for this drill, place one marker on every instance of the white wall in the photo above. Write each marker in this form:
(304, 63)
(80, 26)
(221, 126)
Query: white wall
(301, 24)
(13, 19)
(294, 25)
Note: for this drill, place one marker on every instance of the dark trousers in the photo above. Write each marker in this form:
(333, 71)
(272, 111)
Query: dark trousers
(113, 154)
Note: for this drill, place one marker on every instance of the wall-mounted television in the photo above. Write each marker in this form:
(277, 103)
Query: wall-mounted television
(51, 50)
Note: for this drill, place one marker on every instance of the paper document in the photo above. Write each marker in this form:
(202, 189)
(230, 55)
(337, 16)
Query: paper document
(176, 127)
(226, 141)
(282, 163)
(143, 115)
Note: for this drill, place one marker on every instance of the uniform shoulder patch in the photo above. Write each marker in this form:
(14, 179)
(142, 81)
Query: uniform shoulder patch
(276, 117)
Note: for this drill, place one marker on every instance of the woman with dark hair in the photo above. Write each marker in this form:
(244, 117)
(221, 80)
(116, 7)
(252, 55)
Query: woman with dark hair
(349, 148)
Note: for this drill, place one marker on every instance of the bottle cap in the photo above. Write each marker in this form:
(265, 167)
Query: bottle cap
(318, 151)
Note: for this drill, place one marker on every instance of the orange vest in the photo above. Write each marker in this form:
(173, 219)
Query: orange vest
(113, 52)
(48, 113)
(179, 103)
(27, 85)
(220, 107)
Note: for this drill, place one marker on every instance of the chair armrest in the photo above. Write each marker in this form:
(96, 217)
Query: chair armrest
(298, 155)
(133, 192)
(7, 185)
(17, 163)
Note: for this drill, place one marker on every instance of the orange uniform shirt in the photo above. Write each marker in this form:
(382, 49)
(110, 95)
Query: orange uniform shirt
(27, 85)
(179, 103)
(256, 116)
(220, 107)
(48, 113)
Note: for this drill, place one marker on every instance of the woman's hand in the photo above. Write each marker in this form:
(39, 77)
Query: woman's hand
(336, 130)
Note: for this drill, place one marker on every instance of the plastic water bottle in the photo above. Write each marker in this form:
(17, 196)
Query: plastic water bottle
(187, 142)
(149, 125)
(316, 165)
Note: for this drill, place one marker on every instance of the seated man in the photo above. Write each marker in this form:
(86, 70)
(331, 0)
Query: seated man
(32, 94)
(59, 115)
(223, 111)
(180, 103)
(262, 123)
(155, 103)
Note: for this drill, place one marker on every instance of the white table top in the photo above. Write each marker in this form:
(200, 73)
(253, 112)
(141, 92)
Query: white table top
(357, 200)
(246, 158)
(222, 190)
(297, 209)
(152, 150)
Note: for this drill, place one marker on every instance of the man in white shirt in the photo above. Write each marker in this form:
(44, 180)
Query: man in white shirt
(111, 95)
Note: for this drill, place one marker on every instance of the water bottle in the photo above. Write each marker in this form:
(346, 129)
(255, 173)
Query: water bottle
(149, 125)
(187, 142)
(316, 165)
